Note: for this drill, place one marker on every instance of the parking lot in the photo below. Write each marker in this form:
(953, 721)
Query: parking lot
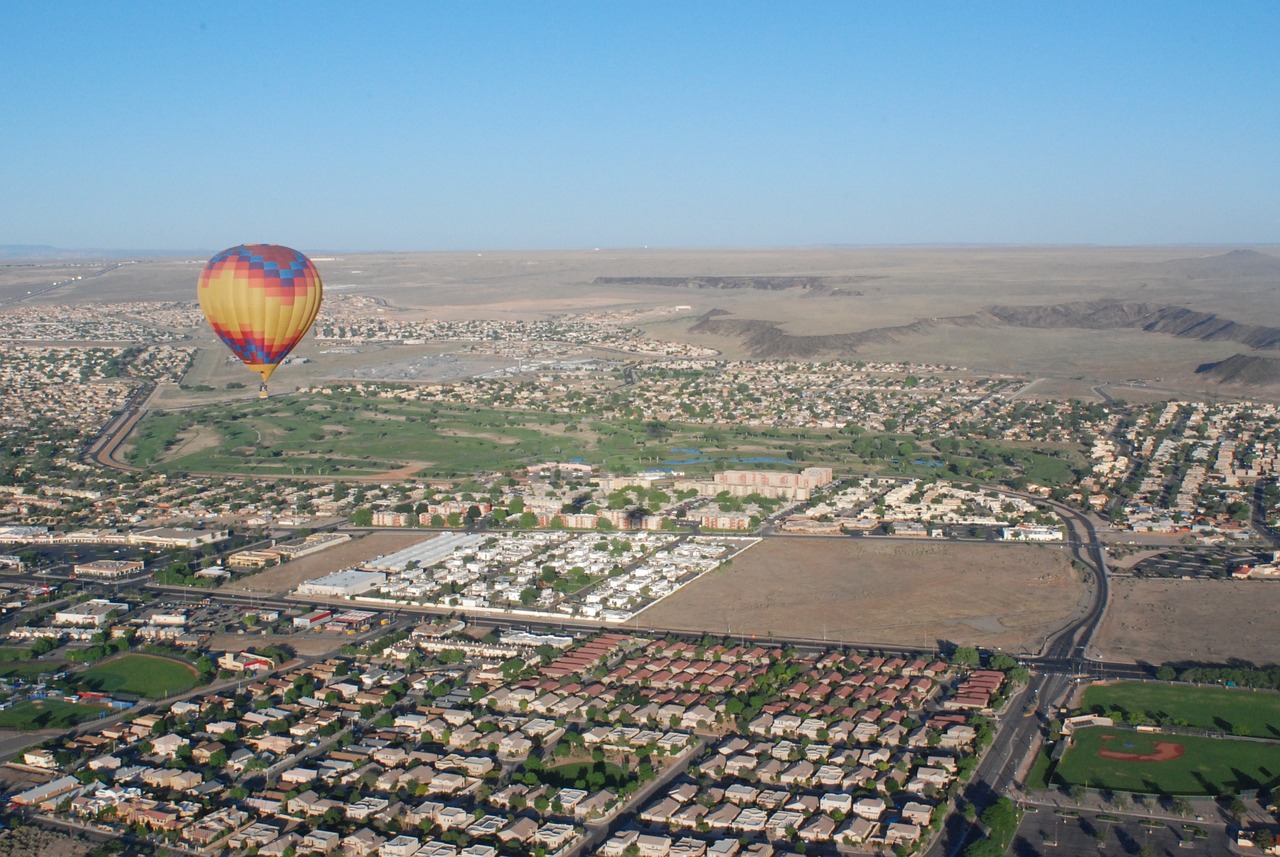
(1203, 562)
(1065, 833)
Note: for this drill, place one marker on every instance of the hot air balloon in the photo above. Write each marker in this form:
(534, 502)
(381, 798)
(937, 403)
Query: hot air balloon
(261, 300)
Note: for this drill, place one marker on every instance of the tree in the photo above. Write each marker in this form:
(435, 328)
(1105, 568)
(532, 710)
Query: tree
(1166, 673)
(1003, 661)
(966, 656)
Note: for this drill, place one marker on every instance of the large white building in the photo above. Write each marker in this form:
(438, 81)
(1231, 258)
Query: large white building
(1031, 533)
(343, 584)
(168, 537)
(95, 613)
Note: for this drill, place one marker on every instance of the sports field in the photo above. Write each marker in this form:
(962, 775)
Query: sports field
(1155, 763)
(1233, 710)
(140, 675)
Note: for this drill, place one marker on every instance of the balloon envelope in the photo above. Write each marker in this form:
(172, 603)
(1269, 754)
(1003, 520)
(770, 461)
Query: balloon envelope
(260, 299)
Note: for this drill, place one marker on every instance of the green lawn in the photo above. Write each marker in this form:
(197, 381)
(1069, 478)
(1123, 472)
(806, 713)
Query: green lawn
(1255, 713)
(1040, 769)
(140, 675)
(14, 653)
(29, 670)
(1209, 765)
(48, 714)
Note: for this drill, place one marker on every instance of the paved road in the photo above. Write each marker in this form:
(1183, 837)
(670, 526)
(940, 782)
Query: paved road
(997, 770)
(1027, 712)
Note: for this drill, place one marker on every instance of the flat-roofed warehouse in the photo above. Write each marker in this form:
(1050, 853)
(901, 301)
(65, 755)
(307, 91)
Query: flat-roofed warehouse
(427, 552)
(343, 584)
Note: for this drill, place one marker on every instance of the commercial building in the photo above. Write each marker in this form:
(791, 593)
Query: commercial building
(169, 537)
(108, 568)
(95, 613)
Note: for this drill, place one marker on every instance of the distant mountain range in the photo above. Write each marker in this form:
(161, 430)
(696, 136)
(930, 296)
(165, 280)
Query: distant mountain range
(1244, 370)
(815, 286)
(1234, 263)
(766, 339)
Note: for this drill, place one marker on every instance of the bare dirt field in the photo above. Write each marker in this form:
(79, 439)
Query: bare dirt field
(283, 578)
(1158, 621)
(306, 643)
(881, 591)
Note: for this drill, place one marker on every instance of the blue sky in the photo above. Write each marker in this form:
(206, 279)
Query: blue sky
(529, 125)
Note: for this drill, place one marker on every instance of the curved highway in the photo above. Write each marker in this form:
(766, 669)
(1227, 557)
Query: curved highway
(1072, 643)
(102, 447)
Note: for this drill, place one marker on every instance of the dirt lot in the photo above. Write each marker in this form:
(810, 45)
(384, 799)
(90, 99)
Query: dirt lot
(283, 578)
(1195, 620)
(881, 591)
(304, 643)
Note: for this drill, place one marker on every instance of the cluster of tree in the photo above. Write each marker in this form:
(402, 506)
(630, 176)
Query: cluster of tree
(42, 646)
(180, 574)
(278, 654)
(99, 650)
(1265, 677)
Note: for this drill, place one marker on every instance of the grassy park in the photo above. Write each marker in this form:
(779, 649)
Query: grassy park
(140, 675)
(1199, 766)
(48, 714)
(29, 670)
(1237, 711)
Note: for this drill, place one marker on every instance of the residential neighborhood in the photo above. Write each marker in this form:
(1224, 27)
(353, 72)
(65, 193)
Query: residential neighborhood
(410, 749)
